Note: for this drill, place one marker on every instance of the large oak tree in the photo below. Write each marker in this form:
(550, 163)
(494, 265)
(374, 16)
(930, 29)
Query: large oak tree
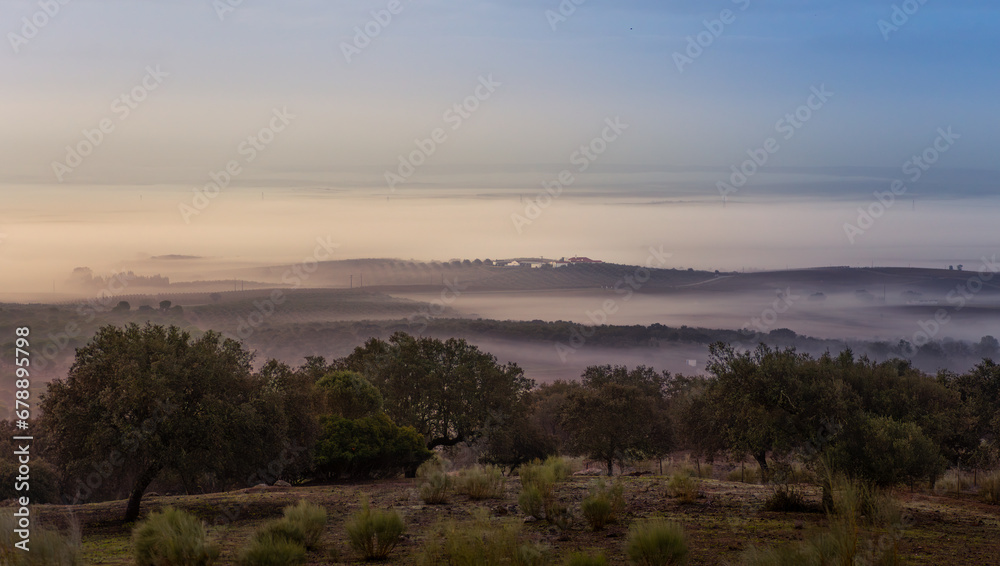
(141, 401)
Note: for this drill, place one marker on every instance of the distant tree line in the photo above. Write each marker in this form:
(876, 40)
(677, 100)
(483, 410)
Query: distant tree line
(156, 408)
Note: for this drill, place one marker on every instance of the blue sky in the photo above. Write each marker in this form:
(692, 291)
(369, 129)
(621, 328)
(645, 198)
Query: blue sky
(607, 59)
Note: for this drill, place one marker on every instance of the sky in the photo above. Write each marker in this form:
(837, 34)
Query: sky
(560, 76)
(775, 101)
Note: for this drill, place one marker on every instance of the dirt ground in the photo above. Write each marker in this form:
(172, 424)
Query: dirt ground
(720, 524)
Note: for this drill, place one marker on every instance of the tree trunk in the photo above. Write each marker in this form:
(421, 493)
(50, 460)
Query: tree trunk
(761, 458)
(138, 489)
(611, 467)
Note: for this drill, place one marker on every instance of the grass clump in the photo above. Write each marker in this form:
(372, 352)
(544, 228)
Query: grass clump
(481, 482)
(272, 547)
(310, 519)
(989, 491)
(583, 559)
(45, 547)
(683, 487)
(656, 542)
(481, 542)
(603, 504)
(374, 533)
(559, 467)
(172, 537)
(786, 498)
(537, 498)
(434, 489)
(866, 526)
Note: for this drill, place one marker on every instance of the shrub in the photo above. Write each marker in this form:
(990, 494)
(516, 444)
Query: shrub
(480, 542)
(785, 498)
(434, 464)
(369, 447)
(656, 542)
(537, 498)
(990, 490)
(481, 482)
(434, 490)
(582, 559)
(682, 487)
(603, 505)
(374, 533)
(559, 467)
(310, 520)
(47, 548)
(282, 530)
(532, 502)
(172, 537)
(271, 549)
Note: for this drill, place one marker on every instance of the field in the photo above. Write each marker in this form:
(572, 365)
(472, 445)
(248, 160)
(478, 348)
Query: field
(725, 520)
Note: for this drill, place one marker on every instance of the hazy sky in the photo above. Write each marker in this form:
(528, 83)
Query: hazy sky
(230, 63)
(114, 111)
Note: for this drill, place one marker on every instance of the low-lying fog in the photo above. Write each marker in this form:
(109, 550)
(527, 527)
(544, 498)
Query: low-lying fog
(48, 231)
(838, 316)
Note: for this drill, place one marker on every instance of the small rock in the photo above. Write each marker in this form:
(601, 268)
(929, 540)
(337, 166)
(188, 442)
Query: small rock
(282, 483)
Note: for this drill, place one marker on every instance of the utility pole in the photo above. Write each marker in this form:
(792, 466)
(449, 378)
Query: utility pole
(352, 281)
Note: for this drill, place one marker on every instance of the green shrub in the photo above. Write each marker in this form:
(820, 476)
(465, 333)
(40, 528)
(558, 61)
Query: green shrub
(434, 489)
(481, 482)
(603, 505)
(480, 542)
(559, 467)
(282, 529)
(369, 447)
(583, 559)
(990, 490)
(310, 519)
(46, 548)
(374, 533)
(682, 487)
(172, 537)
(271, 549)
(656, 542)
(531, 502)
(537, 498)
